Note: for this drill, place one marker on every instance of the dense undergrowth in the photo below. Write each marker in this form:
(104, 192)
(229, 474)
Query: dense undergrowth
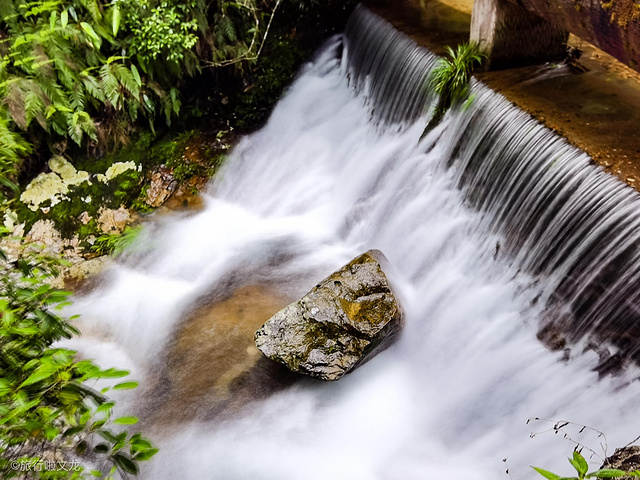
(56, 421)
(96, 96)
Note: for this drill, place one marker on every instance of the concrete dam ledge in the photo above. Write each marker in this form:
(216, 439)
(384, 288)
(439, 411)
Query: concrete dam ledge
(596, 109)
(527, 31)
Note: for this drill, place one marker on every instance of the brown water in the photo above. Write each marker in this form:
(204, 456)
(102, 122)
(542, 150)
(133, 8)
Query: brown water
(212, 365)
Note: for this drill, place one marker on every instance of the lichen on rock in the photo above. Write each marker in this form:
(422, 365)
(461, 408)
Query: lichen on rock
(116, 169)
(68, 173)
(52, 186)
(342, 322)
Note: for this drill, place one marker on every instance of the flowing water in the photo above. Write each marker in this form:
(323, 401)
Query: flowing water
(494, 227)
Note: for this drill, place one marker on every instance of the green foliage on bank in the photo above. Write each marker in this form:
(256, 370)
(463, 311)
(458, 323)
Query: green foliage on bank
(87, 73)
(580, 465)
(54, 422)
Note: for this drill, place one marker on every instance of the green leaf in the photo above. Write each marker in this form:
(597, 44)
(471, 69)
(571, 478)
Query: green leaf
(136, 75)
(101, 448)
(105, 407)
(608, 473)
(112, 373)
(115, 23)
(125, 463)
(92, 33)
(64, 18)
(579, 463)
(126, 421)
(146, 455)
(546, 474)
(125, 386)
(107, 435)
(43, 372)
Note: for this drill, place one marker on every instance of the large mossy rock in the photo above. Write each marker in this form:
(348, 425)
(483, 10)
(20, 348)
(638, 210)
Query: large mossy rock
(344, 320)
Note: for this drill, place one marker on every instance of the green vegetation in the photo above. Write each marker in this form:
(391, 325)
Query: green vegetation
(451, 76)
(84, 73)
(582, 468)
(96, 96)
(117, 244)
(63, 78)
(53, 422)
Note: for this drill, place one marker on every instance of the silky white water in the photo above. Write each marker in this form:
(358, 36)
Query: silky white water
(319, 184)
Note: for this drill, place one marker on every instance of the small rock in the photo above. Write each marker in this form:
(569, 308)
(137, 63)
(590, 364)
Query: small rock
(162, 186)
(552, 337)
(44, 232)
(625, 458)
(85, 218)
(113, 221)
(342, 322)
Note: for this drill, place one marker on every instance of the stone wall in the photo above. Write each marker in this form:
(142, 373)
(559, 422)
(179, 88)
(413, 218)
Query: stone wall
(503, 26)
(511, 36)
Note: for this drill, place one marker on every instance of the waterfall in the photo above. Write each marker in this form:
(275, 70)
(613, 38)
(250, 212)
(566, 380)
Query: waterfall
(494, 226)
(560, 216)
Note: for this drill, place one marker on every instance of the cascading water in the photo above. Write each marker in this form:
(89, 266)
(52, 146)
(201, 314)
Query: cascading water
(492, 224)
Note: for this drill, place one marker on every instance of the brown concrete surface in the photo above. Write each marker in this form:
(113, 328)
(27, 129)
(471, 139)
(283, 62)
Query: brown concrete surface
(597, 110)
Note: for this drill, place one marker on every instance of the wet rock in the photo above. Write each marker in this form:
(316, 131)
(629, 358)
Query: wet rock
(161, 187)
(80, 277)
(611, 365)
(342, 322)
(552, 337)
(114, 221)
(625, 458)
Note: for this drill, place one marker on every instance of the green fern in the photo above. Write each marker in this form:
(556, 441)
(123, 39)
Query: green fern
(451, 76)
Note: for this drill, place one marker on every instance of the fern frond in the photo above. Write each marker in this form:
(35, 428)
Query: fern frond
(76, 97)
(93, 8)
(14, 100)
(110, 85)
(128, 81)
(34, 107)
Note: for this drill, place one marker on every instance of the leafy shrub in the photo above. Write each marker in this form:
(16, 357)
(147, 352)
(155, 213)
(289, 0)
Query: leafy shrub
(51, 419)
(64, 75)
